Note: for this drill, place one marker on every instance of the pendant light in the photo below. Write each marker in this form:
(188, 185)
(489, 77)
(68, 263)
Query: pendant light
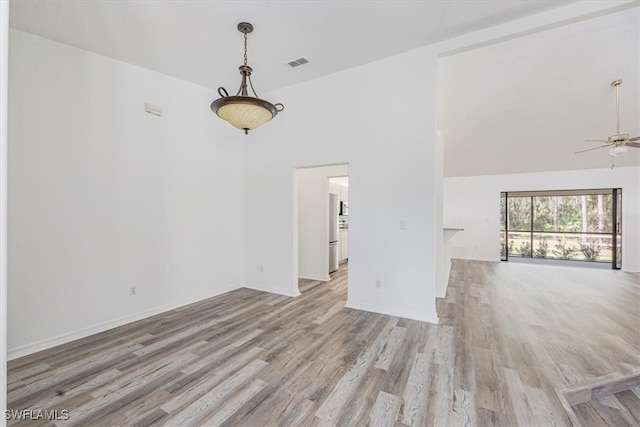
(244, 111)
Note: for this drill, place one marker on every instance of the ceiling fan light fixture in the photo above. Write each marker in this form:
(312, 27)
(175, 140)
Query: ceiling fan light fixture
(616, 151)
(618, 142)
(243, 111)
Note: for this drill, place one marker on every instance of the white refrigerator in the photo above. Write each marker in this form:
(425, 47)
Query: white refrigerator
(334, 207)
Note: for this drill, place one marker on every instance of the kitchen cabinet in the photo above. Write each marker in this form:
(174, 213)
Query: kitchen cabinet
(344, 245)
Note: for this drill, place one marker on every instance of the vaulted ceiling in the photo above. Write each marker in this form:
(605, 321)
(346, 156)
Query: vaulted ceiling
(522, 105)
(528, 104)
(197, 41)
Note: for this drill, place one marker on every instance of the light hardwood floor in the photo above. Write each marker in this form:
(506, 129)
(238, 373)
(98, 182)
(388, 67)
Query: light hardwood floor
(617, 409)
(509, 334)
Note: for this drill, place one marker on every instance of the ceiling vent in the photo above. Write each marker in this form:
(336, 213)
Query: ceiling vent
(298, 62)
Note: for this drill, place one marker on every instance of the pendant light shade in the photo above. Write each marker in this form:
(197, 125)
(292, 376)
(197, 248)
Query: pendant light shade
(243, 111)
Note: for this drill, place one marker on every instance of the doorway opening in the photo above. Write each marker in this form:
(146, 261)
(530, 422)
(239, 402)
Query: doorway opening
(322, 226)
(578, 226)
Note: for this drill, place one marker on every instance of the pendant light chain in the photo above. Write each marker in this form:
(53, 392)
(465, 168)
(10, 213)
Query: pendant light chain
(245, 63)
(245, 48)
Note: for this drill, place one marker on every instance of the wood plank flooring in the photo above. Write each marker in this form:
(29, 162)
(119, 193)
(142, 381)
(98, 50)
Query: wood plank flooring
(620, 395)
(509, 334)
(617, 409)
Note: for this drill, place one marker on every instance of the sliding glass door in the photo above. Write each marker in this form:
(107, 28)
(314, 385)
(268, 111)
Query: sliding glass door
(617, 235)
(580, 225)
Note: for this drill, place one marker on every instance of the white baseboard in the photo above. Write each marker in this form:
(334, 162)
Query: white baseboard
(271, 290)
(393, 312)
(64, 338)
(325, 278)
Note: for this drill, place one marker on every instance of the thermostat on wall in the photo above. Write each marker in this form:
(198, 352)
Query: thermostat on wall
(153, 109)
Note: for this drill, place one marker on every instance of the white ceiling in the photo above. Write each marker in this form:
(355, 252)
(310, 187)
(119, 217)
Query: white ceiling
(197, 41)
(527, 104)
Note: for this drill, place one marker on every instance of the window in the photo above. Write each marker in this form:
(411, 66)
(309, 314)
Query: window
(582, 225)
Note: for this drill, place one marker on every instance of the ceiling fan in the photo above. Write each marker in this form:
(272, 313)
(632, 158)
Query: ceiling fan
(619, 141)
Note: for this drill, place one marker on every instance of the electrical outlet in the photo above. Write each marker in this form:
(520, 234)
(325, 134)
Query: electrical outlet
(261, 269)
(132, 291)
(378, 284)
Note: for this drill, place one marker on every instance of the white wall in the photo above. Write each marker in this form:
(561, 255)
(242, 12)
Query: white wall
(313, 220)
(103, 196)
(4, 72)
(443, 261)
(382, 124)
(474, 202)
(342, 191)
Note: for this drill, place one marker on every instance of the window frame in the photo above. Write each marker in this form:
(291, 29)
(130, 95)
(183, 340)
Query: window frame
(616, 221)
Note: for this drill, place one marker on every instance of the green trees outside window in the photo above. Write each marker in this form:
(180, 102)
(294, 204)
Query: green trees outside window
(570, 225)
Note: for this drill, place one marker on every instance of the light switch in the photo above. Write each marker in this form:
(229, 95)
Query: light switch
(403, 224)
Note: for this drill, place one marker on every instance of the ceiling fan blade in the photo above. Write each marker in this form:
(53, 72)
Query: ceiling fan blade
(633, 144)
(595, 140)
(635, 138)
(595, 148)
